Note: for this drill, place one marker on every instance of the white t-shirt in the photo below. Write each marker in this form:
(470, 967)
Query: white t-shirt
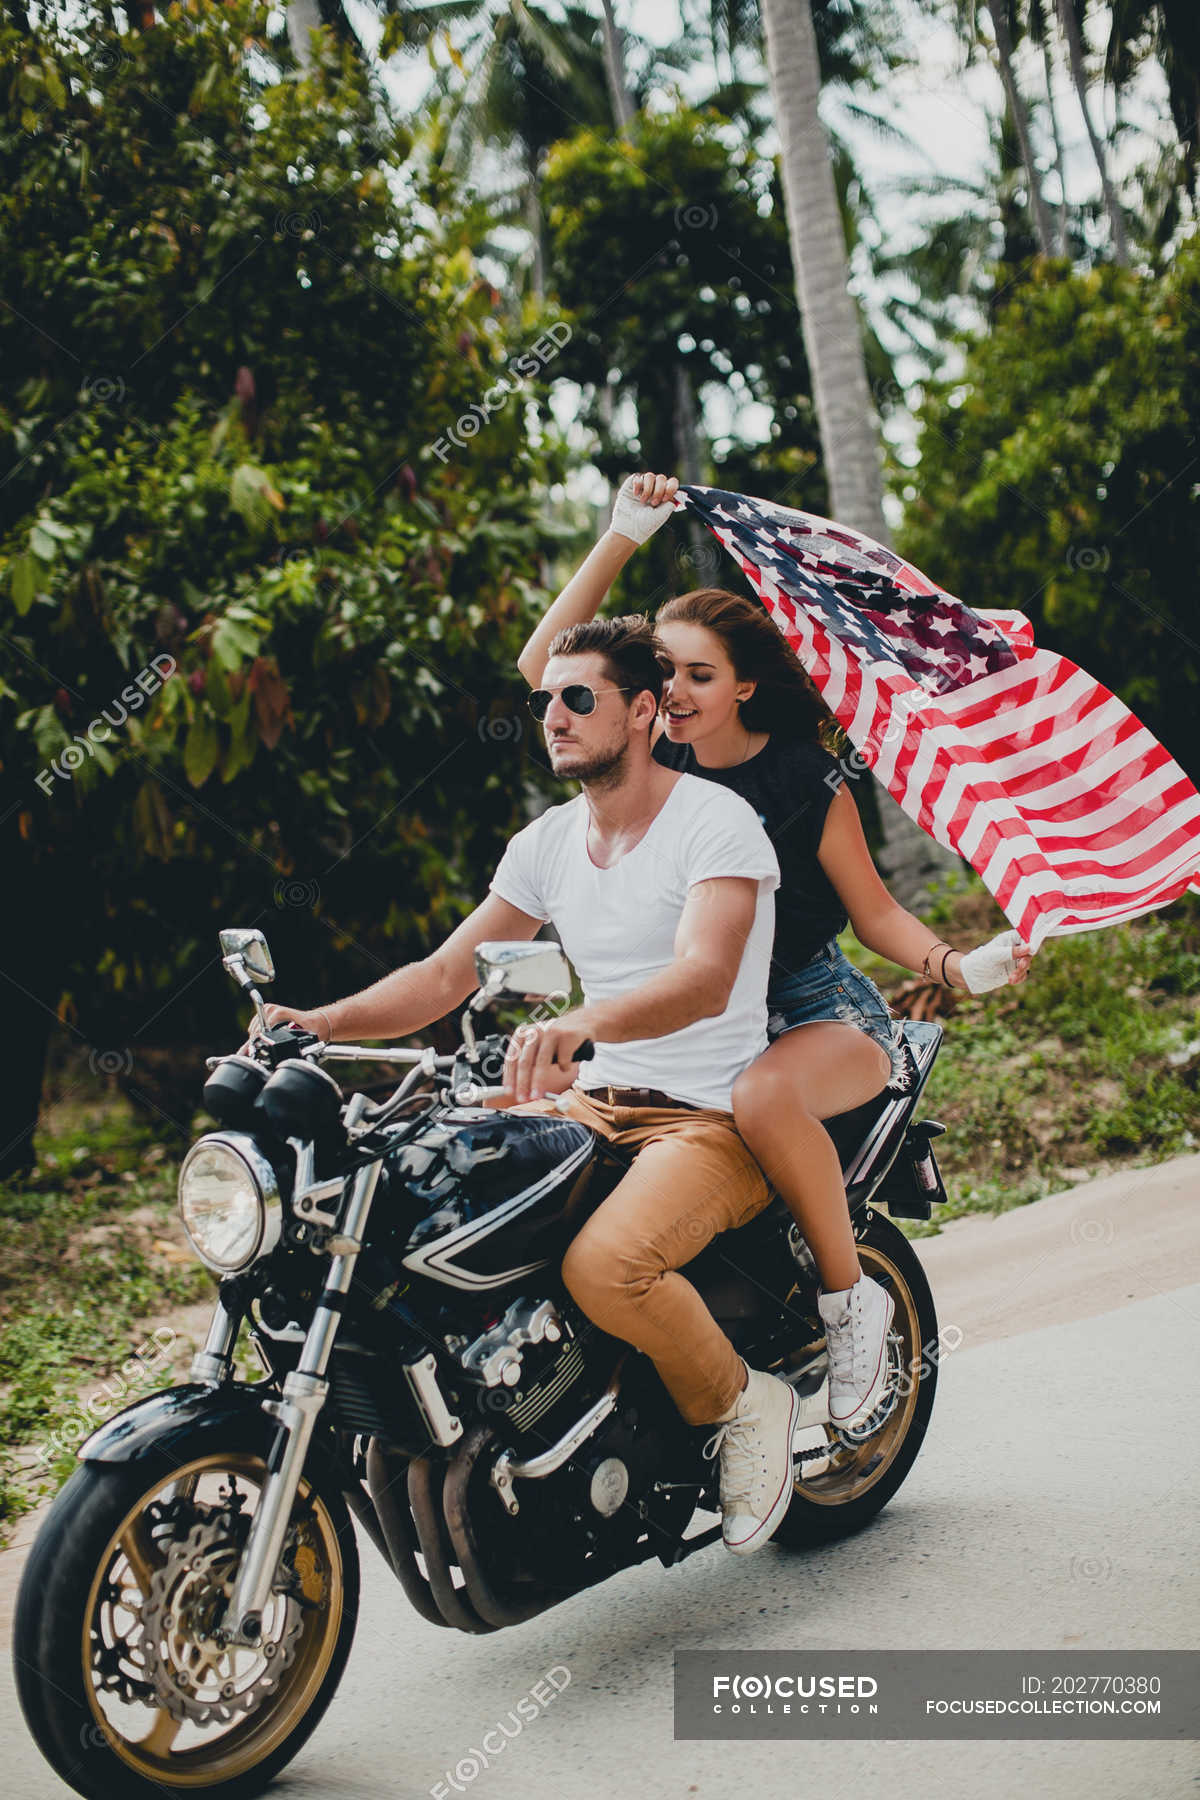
(618, 928)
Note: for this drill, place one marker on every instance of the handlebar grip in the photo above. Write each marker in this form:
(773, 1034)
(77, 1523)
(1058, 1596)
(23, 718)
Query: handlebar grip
(585, 1052)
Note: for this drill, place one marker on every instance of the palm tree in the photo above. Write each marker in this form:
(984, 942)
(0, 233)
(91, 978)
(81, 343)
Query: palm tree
(832, 330)
(520, 79)
(1040, 30)
(1070, 14)
(614, 64)
(1005, 30)
(1168, 30)
(833, 343)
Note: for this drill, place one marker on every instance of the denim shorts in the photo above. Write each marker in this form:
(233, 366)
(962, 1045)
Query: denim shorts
(830, 987)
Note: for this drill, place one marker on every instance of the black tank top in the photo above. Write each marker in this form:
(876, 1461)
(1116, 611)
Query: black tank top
(790, 784)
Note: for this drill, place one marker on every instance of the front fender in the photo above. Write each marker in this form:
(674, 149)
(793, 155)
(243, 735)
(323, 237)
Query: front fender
(152, 1427)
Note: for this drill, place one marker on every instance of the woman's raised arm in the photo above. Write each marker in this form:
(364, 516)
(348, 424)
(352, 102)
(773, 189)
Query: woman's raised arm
(643, 504)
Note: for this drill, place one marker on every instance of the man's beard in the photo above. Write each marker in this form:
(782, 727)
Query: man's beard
(604, 768)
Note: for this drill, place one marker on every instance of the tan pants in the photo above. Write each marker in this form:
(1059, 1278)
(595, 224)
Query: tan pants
(690, 1177)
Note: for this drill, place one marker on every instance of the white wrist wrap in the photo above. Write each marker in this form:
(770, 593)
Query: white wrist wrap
(632, 519)
(991, 965)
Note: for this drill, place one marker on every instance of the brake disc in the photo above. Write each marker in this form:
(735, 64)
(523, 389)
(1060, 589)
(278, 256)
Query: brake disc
(118, 1659)
(194, 1676)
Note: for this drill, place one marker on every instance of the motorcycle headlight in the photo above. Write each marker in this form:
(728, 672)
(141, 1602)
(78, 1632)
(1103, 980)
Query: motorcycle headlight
(229, 1201)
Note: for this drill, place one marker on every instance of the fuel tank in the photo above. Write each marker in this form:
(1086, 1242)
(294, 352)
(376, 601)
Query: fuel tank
(500, 1194)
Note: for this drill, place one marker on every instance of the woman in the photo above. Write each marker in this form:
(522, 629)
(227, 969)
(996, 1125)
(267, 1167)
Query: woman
(739, 708)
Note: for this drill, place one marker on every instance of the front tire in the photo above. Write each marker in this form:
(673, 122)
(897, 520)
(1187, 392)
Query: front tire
(124, 1690)
(840, 1491)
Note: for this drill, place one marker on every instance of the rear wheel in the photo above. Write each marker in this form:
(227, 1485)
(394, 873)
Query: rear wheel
(844, 1478)
(121, 1681)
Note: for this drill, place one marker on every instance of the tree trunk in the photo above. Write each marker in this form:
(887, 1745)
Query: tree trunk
(841, 393)
(1069, 20)
(614, 69)
(606, 406)
(687, 456)
(832, 331)
(1038, 210)
(687, 460)
(535, 226)
(39, 896)
(303, 17)
(1064, 239)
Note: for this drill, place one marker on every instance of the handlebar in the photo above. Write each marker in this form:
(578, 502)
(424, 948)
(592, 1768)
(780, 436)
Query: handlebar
(291, 1039)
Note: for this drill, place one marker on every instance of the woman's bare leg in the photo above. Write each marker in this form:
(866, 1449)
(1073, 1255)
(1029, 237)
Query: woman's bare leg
(810, 1073)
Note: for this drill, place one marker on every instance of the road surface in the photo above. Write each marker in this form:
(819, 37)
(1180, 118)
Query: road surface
(1053, 1506)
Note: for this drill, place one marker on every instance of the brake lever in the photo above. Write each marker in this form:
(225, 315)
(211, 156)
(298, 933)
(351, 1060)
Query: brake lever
(298, 1040)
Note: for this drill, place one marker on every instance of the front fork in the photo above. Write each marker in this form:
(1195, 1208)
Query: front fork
(304, 1391)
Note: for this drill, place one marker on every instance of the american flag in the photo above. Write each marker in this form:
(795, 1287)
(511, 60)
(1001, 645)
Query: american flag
(1073, 814)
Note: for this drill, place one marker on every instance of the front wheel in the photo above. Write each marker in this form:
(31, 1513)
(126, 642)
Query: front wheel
(843, 1478)
(122, 1685)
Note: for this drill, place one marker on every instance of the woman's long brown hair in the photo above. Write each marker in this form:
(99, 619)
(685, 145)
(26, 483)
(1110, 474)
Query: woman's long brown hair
(786, 699)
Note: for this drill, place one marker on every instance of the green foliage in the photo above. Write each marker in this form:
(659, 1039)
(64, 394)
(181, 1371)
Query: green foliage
(1058, 476)
(83, 1272)
(670, 259)
(254, 325)
(1091, 1063)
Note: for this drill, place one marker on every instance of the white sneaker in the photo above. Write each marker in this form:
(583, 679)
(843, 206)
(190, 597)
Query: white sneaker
(857, 1321)
(755, 1444)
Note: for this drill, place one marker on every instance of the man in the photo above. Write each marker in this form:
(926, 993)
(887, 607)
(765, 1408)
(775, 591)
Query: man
(660, 887)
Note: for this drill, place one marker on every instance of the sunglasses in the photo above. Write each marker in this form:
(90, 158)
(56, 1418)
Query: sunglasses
(577, 698)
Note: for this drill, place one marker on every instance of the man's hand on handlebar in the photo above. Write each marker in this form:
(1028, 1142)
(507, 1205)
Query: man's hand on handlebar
(538, 1062)
(316, 1022)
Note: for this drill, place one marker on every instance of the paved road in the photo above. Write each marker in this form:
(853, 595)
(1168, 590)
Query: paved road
(1053, 1506)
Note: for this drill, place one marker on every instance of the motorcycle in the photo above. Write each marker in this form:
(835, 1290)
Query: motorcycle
(188, 1605)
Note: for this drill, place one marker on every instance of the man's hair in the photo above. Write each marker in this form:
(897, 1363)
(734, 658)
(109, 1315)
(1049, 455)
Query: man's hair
(628, 646)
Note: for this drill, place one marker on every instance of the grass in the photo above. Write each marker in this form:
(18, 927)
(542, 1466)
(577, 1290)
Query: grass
(1090, 1065)
(91, 1250)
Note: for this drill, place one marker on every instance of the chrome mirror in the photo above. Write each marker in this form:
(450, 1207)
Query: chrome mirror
(247, 956)
(530, 970)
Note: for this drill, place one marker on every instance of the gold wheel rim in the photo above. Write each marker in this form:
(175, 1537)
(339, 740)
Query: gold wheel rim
(855, 1469)
(248, 1741)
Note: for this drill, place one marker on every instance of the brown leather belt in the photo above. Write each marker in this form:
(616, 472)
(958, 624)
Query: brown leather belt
(639, 1096)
